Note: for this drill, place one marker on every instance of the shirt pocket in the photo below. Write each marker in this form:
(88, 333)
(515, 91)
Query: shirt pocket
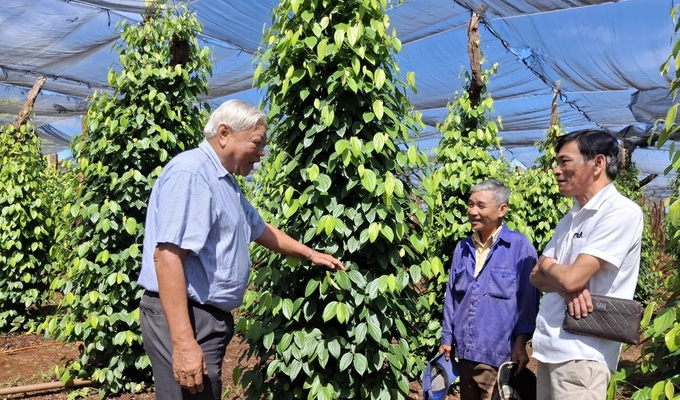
(502, 283)
(460, 281)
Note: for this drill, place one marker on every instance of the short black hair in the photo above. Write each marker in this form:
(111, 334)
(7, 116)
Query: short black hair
(590, 143)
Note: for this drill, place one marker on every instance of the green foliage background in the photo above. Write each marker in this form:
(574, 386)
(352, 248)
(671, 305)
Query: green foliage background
(340, 178)
(26, 221)
(661, 319)
(337, 179)
(153, 114)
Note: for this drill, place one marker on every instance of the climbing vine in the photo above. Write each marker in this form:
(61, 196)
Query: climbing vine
(337, 179)
(128, 135)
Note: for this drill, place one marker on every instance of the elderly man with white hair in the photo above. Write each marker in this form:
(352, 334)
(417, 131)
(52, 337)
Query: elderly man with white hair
(196, 260)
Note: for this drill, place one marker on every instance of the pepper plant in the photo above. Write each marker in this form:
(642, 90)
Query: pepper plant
(661, 318)
(26, 221)
(536, 204)
(337, 179)
(462, 159)
(152, 114)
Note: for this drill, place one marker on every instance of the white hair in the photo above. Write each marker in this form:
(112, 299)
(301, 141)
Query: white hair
(237, 115)
(501, 193)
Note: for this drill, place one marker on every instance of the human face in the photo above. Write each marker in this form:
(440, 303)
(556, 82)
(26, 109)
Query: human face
(244, 149)
(574, 174)
(485, 215)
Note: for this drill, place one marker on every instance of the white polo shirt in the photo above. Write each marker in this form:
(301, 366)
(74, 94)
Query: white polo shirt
(608, 227)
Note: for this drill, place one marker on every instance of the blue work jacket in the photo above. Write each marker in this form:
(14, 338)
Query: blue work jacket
(483, 315)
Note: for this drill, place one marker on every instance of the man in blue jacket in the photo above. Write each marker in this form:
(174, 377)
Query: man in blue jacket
(490, 307)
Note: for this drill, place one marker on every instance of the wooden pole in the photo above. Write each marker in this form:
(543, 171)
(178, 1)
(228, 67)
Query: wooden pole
(476, 85)
(45, 386)
(553, 113)
(30, 101)
(53, 161)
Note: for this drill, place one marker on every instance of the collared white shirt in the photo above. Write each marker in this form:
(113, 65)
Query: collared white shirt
(608, 227)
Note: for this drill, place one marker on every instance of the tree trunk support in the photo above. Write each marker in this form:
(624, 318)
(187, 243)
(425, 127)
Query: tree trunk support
(30, 101)
(476, 84)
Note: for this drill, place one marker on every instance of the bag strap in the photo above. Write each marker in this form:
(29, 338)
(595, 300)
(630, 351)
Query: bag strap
(427, 382)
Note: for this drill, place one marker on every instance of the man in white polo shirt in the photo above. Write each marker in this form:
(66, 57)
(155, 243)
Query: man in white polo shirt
(595, 249)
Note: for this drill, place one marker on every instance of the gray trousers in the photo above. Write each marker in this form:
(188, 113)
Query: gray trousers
(213, 329)
(575, 379)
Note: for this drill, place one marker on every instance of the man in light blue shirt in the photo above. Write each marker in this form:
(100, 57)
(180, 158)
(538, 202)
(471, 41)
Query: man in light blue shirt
(196, 259)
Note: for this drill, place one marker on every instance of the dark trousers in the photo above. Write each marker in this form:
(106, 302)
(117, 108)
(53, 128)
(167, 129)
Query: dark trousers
(477, 381)
(213, 329)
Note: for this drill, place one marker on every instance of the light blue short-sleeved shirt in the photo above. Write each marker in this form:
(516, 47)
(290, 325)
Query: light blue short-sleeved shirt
(197, 205)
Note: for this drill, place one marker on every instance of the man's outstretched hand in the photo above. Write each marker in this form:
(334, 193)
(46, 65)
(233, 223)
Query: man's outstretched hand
(328, 261)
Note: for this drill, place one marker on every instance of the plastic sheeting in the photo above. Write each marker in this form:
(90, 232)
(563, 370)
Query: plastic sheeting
(605, 54)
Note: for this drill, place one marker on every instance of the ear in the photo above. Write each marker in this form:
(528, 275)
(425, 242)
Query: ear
(223, 133)
(502, 210)
(600, 163)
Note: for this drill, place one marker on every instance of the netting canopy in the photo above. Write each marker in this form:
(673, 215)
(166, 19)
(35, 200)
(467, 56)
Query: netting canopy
(606, 54)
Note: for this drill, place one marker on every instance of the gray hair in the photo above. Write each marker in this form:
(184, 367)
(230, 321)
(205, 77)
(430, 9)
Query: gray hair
(237, 115)
(501, 193)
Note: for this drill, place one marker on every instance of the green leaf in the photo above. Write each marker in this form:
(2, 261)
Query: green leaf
(378, 141)
(360, 333)
(334, 348)
(311, 42)
(130, 225)
(674, 213)
(379, 80)
(387, 233)
(658, 391)
(664, 320)
(313, 172)
(412, 155)
(374, 328)
(329, 311)
(287, 308)
(378, 109)
(327, 115)
(323, 182)
(669, 390)
(311, 287)
(360, 363)
(341, 312)
(353, 35)
(672, 340)
(345, 361)
(339, 36)
(373, 231)
(647, 315)
(369, 180)
(321, 51)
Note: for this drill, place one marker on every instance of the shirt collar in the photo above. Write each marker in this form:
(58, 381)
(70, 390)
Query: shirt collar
(596, 201)
(212, 156)
(490, 241)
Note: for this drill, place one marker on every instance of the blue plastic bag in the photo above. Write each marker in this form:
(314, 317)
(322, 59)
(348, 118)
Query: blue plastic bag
(438, 377)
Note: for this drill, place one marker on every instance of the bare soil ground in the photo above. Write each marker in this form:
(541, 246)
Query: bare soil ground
(30, 359)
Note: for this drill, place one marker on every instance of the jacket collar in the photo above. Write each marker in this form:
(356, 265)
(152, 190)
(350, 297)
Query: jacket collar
(503, 235)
